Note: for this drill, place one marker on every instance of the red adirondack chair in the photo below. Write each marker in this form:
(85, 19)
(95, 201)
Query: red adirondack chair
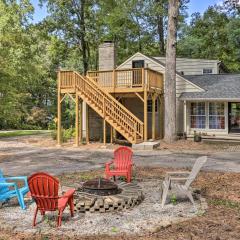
(44, 190)
(122, 164)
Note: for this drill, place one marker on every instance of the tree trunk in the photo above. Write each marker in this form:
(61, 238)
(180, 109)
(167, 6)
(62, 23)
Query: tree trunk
(170, 73)
(160, 27)
(83, 34)
(160, 34)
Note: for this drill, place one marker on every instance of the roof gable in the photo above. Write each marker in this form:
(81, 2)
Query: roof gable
(161, 64)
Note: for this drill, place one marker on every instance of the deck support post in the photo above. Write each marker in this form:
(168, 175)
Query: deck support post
(87, 124)
(104, 131)
(161, 118)
(59, 140)
(111, 134)
(153, 117)
(77, 121)
(145, 114)
(80, 121)
(185, 116)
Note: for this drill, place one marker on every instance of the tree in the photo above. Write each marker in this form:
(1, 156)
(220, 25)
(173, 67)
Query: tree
(213, 35)
(71, 21)
(170, 73)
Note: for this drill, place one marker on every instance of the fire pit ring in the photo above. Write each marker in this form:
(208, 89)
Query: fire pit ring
(128, 196)
(101, 187)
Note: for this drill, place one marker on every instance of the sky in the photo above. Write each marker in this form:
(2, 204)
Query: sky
(193, 6)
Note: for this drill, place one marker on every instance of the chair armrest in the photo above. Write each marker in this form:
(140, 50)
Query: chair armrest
(69, 193)
(178, 178)
(11, 184)
(18, 178)
(109, 163)
(5, 184)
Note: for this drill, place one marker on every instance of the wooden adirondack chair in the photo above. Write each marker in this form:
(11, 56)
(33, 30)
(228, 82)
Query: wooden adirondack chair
(10, 189)
(181, 181)
(122, 164)
(44, 190)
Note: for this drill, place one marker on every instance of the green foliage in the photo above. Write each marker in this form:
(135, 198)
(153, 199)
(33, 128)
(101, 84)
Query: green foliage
(114, 229)
(21, 133)
(66, 134)
(215, 35)
(30, 54)
(226, 203)
(27, 69)
(173, 199)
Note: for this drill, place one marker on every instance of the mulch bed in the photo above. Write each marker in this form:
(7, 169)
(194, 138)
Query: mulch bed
(220, 222)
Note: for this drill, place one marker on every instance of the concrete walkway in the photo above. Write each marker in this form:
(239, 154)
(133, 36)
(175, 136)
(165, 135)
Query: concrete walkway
(17, 158)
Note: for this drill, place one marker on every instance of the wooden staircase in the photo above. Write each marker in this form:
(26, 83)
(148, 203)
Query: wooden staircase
(118, 116)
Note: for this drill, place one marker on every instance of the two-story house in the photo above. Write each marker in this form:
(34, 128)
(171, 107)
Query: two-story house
(207, 98)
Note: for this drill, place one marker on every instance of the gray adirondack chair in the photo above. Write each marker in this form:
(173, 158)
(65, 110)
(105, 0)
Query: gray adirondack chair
(181, 181)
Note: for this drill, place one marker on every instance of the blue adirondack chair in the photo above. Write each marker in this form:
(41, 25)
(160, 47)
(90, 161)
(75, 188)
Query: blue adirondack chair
(10, 190)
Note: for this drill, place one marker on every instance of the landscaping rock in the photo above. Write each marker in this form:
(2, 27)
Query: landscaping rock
(149, 216)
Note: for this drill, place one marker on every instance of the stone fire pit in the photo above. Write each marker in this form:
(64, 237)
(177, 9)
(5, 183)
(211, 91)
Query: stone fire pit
(101, 195)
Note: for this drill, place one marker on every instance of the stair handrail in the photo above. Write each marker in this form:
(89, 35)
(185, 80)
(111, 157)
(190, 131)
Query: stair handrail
(110, 98)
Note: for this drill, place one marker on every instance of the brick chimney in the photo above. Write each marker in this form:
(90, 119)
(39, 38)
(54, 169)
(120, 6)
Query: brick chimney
(107, 56)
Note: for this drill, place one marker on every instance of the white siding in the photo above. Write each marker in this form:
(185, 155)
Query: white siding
(147, 62)
(182, 85)
(193, 66)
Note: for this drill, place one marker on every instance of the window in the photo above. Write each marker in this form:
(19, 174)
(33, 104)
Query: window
(198, 115)
(207, 71)
(149, 105)
(216, 116)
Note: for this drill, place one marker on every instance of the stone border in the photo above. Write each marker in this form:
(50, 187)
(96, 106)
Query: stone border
(130, 196)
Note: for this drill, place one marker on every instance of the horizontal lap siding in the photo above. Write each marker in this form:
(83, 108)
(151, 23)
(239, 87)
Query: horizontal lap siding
(181, 86)
(194, 66)
(148, 63)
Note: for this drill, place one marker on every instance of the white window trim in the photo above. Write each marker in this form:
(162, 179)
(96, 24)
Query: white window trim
(207, 129)
(224, 115)
(189, 117)
(207, 73)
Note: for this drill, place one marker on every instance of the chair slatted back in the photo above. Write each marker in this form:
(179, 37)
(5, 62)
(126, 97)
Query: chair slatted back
(195, 170)
(3, 189)
(122, 158)
(44, 190)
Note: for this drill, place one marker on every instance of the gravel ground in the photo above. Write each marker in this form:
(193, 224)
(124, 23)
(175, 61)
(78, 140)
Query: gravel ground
(25, 155)
(147, 217)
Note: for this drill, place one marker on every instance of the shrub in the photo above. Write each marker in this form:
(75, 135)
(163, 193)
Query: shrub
(52, 125)
(66, 134)
(29, 127)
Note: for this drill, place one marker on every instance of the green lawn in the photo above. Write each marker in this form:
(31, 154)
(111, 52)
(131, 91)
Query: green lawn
(16, 133)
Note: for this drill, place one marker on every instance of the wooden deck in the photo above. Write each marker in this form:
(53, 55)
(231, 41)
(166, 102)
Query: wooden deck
(100, 90)
(128, 80)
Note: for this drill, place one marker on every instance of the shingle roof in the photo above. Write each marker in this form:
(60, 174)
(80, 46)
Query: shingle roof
(216, 86)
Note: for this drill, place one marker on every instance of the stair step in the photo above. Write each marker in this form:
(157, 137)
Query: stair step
(98, 108)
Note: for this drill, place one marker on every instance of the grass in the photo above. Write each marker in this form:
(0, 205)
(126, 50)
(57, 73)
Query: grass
(225, 203)
(17, 133)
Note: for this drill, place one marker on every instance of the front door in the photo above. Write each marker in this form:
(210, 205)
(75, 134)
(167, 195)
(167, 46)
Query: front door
(234, 117)
(137, 74)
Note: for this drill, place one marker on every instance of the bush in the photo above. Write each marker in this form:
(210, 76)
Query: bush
(52, 125)
(66, 134)
(29, 127)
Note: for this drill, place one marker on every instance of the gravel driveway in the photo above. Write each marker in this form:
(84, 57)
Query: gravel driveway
(18, 158)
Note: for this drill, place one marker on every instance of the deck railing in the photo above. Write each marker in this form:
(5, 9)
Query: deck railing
(127, 78)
